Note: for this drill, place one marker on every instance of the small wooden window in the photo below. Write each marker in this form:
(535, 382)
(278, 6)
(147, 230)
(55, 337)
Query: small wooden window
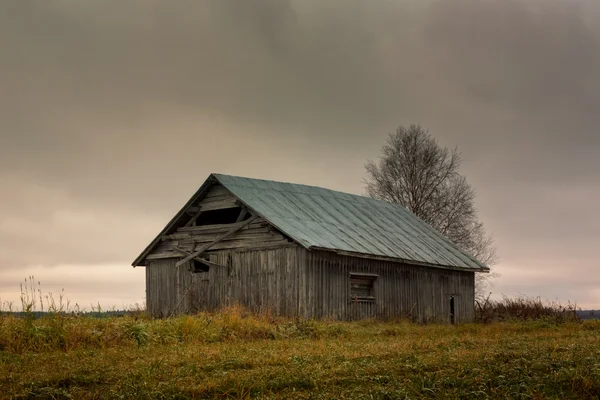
(362, 287)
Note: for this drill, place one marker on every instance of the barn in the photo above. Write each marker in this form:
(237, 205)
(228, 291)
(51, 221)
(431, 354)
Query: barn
(297, 250)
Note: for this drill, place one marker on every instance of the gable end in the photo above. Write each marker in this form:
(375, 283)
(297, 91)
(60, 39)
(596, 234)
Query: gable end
(213, 219)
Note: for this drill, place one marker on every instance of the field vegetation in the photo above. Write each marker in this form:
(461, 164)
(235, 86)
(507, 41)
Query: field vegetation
(233, 354)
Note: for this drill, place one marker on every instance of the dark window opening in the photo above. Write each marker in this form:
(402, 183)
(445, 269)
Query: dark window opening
(362, 287)
(222, 216)
(198, 267)
(452, 310)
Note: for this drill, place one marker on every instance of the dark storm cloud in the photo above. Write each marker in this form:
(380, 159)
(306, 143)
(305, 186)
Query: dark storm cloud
(536, 63)
(345, 71)
(113, 112)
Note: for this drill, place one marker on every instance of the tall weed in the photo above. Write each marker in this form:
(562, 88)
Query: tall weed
(525, 309)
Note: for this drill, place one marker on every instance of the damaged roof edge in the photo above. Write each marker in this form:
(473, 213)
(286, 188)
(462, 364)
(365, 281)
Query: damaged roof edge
(207, 183)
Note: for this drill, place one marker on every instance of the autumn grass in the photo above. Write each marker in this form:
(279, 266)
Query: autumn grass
(524, 308)
(236, 355)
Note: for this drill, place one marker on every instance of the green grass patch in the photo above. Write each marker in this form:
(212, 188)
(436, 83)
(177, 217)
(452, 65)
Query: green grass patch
(235, 355)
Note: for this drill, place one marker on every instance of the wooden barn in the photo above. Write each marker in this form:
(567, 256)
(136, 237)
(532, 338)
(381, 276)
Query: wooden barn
(299, 250)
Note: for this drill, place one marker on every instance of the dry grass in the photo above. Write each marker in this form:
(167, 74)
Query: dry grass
(524, 309)
(538, 351)
(236, 355)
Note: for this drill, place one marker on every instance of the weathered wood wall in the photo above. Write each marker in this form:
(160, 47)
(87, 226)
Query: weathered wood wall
(256, 234)
(421, 293)
(166, 286)
(259, 280)
(292, 281)
(261, 269)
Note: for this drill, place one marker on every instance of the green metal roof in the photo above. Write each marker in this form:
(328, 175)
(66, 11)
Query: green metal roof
(320, 218)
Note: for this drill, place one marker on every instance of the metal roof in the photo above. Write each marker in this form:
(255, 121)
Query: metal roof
(326, 219)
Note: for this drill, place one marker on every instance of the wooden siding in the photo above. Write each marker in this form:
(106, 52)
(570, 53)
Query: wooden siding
(165, 287)
(291, 281)
(257, 267)
(259, 280)
(401, 291)
(256, 234)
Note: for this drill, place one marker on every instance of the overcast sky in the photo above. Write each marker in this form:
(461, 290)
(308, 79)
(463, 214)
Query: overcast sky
(113, 113)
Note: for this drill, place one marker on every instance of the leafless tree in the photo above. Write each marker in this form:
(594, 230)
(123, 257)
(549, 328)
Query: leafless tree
(418, 173)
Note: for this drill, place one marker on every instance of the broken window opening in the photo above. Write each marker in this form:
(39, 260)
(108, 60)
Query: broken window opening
(198, 267)
(362, 287)
(221, 216)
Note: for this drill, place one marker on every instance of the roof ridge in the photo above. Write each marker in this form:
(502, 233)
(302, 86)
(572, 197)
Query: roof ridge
(339, 221)
(359, 196)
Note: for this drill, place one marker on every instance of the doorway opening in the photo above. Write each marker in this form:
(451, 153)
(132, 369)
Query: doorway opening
(452, 313)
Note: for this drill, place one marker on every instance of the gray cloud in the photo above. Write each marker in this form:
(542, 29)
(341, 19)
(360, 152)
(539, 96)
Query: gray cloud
(117, 111)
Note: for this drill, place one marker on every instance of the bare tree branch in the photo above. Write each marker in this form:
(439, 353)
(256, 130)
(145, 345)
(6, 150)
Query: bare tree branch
(416, 172)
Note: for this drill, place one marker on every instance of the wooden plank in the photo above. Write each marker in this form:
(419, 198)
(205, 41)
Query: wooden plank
(243, 213)
(209, 245)
(211, 235)
(166, 254)
(199, 259)
(177, 236)
(241, 234)
(255, 246)
(227, 243)
(194, 217)
(258, 223)
(230, 242)
(221, 205)
(216, 199)
(181, 251)
(218, 190)
(263, 246)
(245, 244)
(165, 246)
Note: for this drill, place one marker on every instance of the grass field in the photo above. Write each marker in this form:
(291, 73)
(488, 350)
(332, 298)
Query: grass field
(238, 356)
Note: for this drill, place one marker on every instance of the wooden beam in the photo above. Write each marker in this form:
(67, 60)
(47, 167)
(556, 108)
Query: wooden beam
(202, 229)
(242, 214)
(220, 205)
(192, 210)
(207, 246)
(196, 215)
(207, 236)
(235, 245)
(202, 260)
(161, 255)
